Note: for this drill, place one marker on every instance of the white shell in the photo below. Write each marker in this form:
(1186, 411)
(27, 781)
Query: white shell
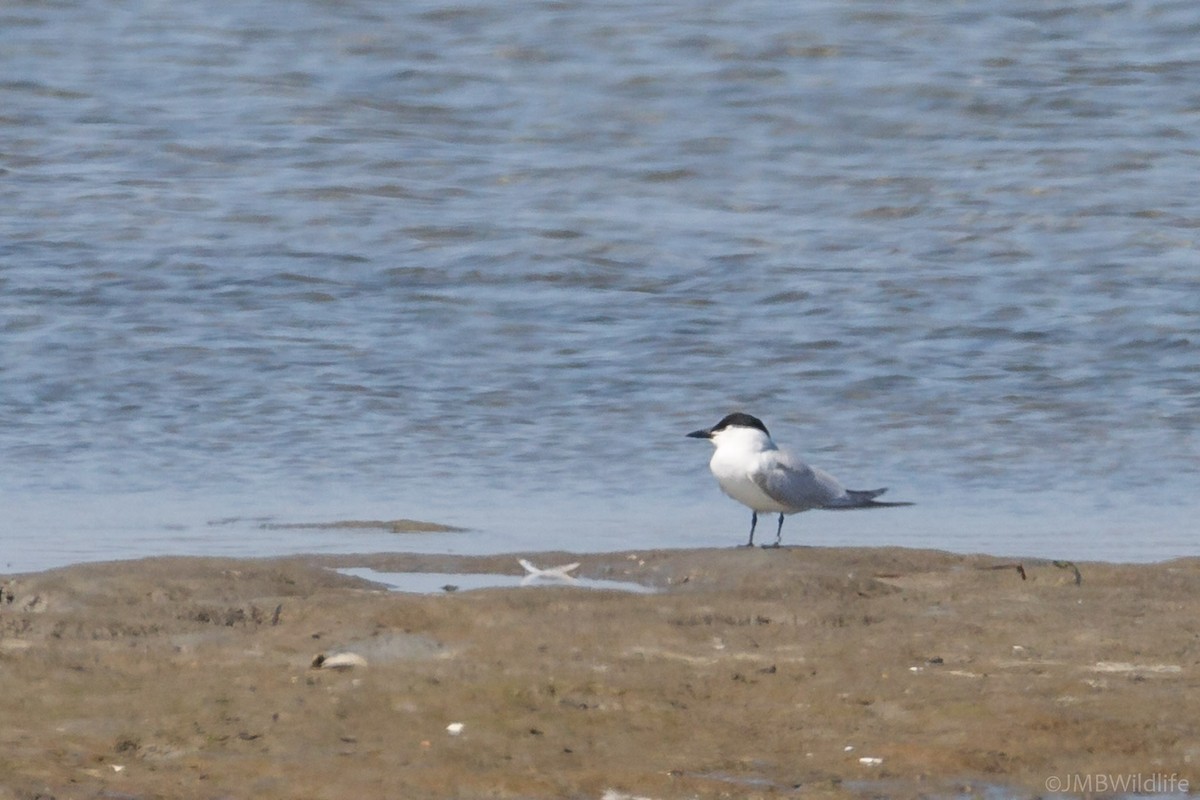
(339, 661)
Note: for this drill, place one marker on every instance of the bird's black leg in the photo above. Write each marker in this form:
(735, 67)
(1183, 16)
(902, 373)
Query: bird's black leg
(778, 534)
(753, 522)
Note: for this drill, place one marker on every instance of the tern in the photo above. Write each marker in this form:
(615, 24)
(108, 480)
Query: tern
(752, 469)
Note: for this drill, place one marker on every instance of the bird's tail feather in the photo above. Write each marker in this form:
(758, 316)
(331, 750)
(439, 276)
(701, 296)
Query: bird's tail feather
(863, 498)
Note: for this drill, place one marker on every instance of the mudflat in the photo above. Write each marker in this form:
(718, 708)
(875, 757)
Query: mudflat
(746, 673)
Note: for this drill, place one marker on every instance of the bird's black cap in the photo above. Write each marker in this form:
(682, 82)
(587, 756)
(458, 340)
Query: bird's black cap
(737, 419)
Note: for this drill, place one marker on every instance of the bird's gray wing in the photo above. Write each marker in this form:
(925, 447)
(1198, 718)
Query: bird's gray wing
(792, 483)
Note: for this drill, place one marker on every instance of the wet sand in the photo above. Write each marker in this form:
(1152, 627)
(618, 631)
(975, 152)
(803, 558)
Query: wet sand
(800, 672)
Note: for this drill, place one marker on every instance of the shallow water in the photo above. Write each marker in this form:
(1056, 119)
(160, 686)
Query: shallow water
(443, 582)
(485, 264)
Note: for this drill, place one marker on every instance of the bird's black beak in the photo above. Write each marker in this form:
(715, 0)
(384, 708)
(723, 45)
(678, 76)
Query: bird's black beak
(705, 434)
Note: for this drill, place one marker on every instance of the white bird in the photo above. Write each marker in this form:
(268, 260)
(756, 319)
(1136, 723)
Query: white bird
(752, 470)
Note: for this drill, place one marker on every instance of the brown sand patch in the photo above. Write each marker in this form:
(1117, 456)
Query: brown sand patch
(748, 674)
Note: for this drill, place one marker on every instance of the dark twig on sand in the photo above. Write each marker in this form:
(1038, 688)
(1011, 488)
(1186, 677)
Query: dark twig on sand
(1070, 565)
(1020, 568)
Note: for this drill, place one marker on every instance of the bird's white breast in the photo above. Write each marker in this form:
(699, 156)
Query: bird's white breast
(734, 470)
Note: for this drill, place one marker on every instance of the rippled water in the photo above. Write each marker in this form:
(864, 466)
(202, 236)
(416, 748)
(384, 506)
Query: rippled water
(486, 263)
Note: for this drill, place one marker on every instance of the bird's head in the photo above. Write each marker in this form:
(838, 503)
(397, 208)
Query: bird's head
(734, 426)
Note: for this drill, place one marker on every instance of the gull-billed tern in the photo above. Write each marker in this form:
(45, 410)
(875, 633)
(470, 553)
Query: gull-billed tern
(752, 470)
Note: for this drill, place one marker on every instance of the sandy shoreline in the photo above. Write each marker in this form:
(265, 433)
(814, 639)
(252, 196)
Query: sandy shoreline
(802, 672)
